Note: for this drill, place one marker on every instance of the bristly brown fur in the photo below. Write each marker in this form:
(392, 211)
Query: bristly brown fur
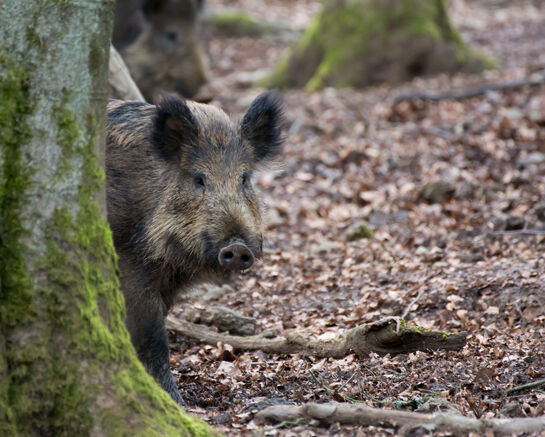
(178, 192)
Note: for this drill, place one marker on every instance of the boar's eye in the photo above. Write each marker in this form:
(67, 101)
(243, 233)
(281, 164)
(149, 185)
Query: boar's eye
(198, 180)
(246, 179)
(171, 35)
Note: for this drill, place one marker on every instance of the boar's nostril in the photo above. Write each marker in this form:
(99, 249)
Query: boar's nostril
(247, 260)
(236, 256)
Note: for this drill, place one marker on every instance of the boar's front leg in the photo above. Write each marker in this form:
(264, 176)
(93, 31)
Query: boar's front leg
(145, 321)
(151, 344)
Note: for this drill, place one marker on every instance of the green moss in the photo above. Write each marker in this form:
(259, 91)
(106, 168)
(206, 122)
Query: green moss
(443, 23)
(411, 326)
(61, 3)
(419, 330)
(476, 61)
(412, 404)
(88, 270)
(446, 335)
(33, 38)
(15, 297)
(15, 107)
(135, 379)
(437, 191)
(359, 232)
(306, 55)
(415, 328)
(237, 23)
(68, 134)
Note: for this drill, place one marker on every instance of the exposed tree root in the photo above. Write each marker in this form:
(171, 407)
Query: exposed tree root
(224, 319)
(120, 79)
(360, 414)
(388, 336)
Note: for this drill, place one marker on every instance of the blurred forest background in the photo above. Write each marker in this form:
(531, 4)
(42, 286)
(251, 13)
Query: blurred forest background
(412, 185)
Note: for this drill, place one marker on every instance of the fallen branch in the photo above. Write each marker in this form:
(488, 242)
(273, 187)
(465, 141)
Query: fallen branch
(519, 232)
(360, 414)
(534, 384)
(388, 336)
(536, 79)
(121, 80)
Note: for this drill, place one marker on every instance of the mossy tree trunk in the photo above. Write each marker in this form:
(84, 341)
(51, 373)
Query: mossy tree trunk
(364, 42)
(67, 367)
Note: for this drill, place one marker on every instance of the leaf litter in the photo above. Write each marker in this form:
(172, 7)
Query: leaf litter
(448, 263)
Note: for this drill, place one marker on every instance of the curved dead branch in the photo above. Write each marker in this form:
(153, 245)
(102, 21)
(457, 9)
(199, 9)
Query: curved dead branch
(536, 80)
(388, 336)
(359, 414)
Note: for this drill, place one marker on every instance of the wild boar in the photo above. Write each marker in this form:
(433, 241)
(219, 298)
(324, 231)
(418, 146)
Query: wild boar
(181, 205)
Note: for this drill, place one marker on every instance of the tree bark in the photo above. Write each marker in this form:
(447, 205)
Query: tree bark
(363, 42)
(67, 366)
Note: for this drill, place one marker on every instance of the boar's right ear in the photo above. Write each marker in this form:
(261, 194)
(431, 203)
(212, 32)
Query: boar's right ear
(173, 127)
(262, 124)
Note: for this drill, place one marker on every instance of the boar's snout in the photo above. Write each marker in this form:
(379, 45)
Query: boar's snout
(236, 256)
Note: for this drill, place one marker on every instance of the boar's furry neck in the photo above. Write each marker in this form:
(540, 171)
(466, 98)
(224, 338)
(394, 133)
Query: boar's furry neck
(188, 197)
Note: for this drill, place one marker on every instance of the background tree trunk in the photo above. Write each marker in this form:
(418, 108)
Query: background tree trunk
(67, 366)
(159, 42)
(363, 42)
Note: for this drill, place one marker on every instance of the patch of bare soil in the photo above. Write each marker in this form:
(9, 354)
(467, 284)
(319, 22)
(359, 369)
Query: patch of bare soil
(457, 261)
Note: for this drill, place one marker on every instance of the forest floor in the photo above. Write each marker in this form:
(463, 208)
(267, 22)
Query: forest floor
(446, 263)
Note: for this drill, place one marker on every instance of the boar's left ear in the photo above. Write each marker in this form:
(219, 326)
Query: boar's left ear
(174, 126)
(261, 126)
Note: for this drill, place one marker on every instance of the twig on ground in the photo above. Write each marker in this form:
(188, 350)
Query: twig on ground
(416, 299)
(534, 89)
(346, 382)
(287, 423)
(321, 383)
(381, 337)
(438, 132)
(360, 414)
(484, 127)
(519, 232)
(534, 384)
(537, 79)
